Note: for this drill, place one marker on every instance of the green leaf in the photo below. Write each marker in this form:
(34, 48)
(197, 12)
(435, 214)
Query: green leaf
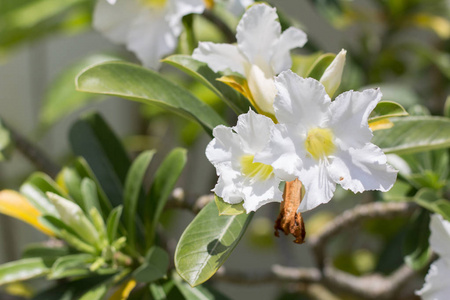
(44, 251)
(430, 200)
(112, 224)
(416, 247)
(6, 142)
(208, 77)
(96, 293)
(163, 183)
(61, 98)
(71, 265)
(387, 109)
(207, 242)
(93, 139)
(23, 269)
(139, 84)
(90, 197)
(414, 134)
(35, 188)
(301, 64)
(155, 266)
(320, 65)
(228, 209)
(72, 182)
(198, 292)
(134, 192)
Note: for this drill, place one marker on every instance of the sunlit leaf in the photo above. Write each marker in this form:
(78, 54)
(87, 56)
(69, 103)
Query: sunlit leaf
(23, 269)
(209, 78)
(414, 134)
(228, 209)
(207, 242)
(139, 84)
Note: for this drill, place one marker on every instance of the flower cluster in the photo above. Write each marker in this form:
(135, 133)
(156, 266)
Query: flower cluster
(315, 140)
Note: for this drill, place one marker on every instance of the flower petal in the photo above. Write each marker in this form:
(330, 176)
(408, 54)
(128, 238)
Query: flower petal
(151, 37)
(362, 169)
(440, 236)
(350, 112)
(222, 147)
(259, 193)
(254, 131)
(290, 38)
(114, 21)
(237, 7)
(319, 187)
(181, 8)
(331, 78)
(220, 57)
(257, 33)
(228, 186)
(436, 285)
(281, 154)
(300, 100)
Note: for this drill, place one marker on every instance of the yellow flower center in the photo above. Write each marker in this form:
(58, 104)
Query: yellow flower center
(155, 3)
(255, 170)
(319, 143)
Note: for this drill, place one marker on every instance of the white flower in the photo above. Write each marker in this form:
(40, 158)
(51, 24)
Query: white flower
(331, 78)
(323, 142)
(232, 151)
(437, 285)
(237, 7)
(149, 28)
(262, 51)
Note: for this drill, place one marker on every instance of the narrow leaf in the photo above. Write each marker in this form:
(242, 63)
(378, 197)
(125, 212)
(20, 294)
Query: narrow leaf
(320, 65)
(112, 224)
(139, 84)
(207, 242)
(163, 183)
(23, 269)
(416, 247)
(133, 192)
(92, 138)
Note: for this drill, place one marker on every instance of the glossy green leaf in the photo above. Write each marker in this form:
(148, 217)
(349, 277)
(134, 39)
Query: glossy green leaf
(320, 65)
(112, 224)
(163, 183)
(96, 293)
(414, 134)
(23, 269)
(6, 142)
(143, 85)
(71, 265)
(134, 192)
(62, 98)
(387, 109)
(93, 139)
(198, 292)
(72, 182)
(207, 242)
(208, 77)
(416, 247)
(155, 266)
(430, 200)
(228, 209)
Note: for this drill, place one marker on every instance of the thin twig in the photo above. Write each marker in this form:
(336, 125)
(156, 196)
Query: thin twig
(33, 153)
(350, 217)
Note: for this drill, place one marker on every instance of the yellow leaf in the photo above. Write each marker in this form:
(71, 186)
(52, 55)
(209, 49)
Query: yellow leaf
(209, 4)
(17, 206)
(124, 290)
(381, 124)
